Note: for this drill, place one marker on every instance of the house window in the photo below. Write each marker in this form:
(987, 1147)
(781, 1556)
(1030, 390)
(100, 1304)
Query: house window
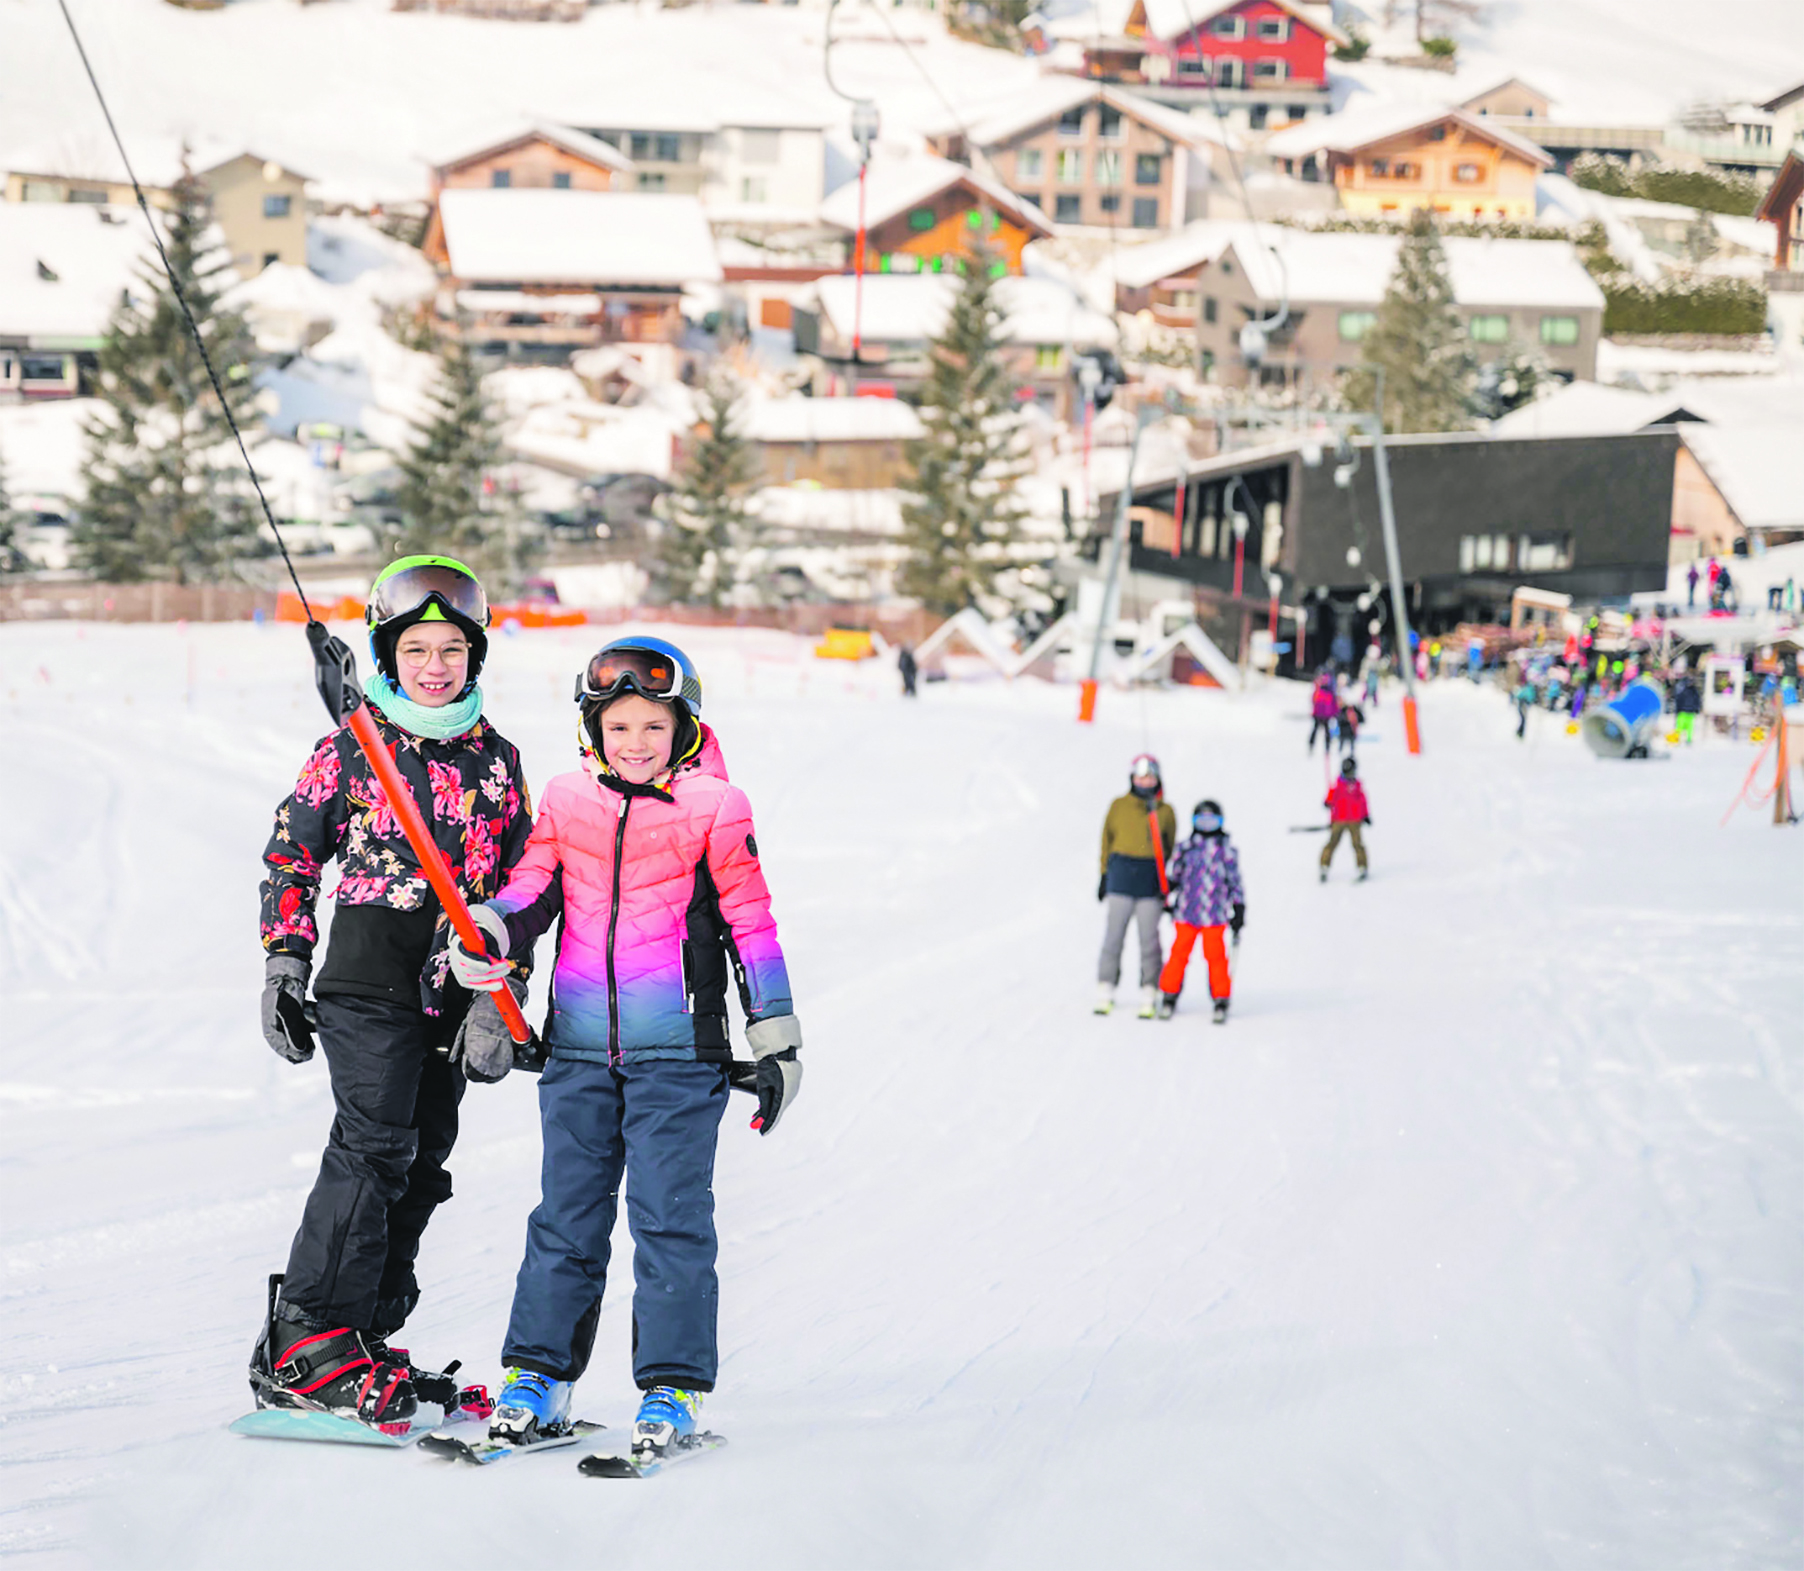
(752, 188)
(1543, 553)
(1402, 170)
(1029, 164)
(1256, 117)
(560, 180)
(1070, 170)
(1048, 357)
(1229, 73)
(1071, 122)
(1108, 123)
(277, 206)
(641, 145)
(271, 256)
(94, 195)
(1196, 65)
(759, 147)
(1146, 168)
(1067, 209)
(1354, 325)
(1490, 329)
(1032, 196)
(1229, 27)
(1437, 133)
(1184, 300)
(901, 262)
(981, 219)
(1210, 309)
(921, 220)
(1146, 212)
(1297, 111)
(1268, 71)
(1274, 29)
(1484, 551)
(1111, 203)
(1108, 169)
(1467, 174)
(1381, 168)
(500, 179)
(1559, 330)
(651, 182)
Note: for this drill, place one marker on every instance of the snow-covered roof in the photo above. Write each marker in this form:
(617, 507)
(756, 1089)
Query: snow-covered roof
(517, 301)
(831, 420)
(1356, 268)
(1142, 266)
(1054, 93)
(577, 237)
(1756, 470)
(1587, 409)
(904, 308)
(494, 138)
(1353, 129)
(894, 185)
(156, 160)
(1167, 19)
(91, 255)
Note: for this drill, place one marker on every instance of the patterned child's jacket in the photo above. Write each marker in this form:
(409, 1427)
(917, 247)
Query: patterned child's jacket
(472, 793)
(659, 889)
(1205, 871)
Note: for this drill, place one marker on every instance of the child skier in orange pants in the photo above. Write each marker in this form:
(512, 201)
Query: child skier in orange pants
(1205, 877)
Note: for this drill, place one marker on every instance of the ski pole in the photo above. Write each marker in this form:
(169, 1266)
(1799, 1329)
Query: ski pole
(1309, 829)
(335, 673)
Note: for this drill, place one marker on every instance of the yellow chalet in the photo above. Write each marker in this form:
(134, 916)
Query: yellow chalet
(1390, 159)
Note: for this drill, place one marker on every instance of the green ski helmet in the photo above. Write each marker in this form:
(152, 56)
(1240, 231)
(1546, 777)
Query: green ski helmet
(426, 589)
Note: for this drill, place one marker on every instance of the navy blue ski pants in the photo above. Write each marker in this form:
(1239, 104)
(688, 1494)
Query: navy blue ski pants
(656, 1123)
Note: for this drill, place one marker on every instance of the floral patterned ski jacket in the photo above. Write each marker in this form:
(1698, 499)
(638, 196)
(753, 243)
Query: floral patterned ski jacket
(389, 926)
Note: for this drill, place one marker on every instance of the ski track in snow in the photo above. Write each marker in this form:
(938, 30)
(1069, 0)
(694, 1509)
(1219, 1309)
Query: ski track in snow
(1473, 1239)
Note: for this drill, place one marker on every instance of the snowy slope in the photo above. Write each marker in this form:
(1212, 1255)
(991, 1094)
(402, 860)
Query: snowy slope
(1472, 1240)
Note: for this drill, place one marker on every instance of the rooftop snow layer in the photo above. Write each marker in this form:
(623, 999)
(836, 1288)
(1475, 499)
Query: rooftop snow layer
(1755, 468)
(903, 309)
(1353, 129)
(504, 134)
(894, 185)
(64, 267)
(578, 237)
(831, 420)
(991, 122)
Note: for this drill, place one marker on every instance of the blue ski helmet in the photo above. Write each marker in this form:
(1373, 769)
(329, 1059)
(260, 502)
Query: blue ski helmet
(650, 668)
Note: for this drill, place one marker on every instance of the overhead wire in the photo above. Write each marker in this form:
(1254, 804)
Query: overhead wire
(181, 297)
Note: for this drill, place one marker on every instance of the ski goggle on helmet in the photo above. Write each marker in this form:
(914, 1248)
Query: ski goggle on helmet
(1206, 817)
(426, 589)
(649, 668)
(1144, 767)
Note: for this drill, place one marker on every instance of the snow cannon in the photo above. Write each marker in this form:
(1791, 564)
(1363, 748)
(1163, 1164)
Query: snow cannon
(1623, 727)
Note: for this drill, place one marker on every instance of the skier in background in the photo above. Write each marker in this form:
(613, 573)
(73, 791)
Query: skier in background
(1138, 833)
(1323, 706)
(1687, 703)
(1347, 813)
(1691, 587)
(1525, 698)
(1350, 719)
(647, 858)
(1373, 659)
(1209, 895)
(905, 663)
(386, 1009)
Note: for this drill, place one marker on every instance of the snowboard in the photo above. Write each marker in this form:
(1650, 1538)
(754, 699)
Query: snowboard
(316, 1423)
(650, 1461)
(481, 1451)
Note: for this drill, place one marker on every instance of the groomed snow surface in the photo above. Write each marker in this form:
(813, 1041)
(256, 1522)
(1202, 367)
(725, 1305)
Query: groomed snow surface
(1472, 1240)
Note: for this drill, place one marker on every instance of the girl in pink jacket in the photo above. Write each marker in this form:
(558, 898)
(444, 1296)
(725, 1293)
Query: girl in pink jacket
(648, 855)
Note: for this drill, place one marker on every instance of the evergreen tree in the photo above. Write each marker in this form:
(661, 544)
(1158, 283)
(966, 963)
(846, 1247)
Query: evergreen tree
(167, 493)
(450, 497)
(962, 514)
(12, 559)
(1418, 341)
(707, 525)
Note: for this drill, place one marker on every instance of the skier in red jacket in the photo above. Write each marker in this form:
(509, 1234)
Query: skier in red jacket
(1347, 811)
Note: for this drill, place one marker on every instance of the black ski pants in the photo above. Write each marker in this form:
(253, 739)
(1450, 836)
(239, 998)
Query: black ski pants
(383, 1172)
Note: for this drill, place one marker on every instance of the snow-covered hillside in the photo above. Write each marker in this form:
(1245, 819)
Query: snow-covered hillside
(1473, 1239)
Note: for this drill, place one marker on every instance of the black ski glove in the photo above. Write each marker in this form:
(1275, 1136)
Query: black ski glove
(484, 1048)
(1102, 887)
(1239, 919)
(774, 1044)
(287, 1016)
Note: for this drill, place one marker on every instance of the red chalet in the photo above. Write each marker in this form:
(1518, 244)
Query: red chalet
(1256, 63)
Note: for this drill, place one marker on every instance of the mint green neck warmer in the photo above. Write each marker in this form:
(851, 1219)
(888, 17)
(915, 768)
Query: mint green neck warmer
(452, 719)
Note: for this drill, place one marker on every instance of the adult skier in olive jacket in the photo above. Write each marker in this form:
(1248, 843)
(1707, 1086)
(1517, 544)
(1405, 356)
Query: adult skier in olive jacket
(386, 1008)
(1133, 881)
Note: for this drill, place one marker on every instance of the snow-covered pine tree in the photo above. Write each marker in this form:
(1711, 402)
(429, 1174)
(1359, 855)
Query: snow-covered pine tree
(451, 500)
(167, 494)
(707, 525)
(1419, 341)
(12, 559)
(961, 515)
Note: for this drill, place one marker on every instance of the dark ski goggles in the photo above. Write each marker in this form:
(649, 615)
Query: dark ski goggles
(412, 587)
(642, 671)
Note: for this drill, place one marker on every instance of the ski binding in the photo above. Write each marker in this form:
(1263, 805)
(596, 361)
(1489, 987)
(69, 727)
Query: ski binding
(645, 1461)
(291, 1417)
(481, 1452)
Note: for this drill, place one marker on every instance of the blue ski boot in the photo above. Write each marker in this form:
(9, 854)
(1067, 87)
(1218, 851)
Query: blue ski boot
(666, 1417)
(531, 1407)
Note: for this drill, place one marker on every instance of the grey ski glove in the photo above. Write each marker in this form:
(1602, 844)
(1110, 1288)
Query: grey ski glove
(774, 1043)
(481, 973)
(287, 1016)
(484, 1049)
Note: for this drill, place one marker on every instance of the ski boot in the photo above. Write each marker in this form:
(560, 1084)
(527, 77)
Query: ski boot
(1363, 875)
(1105, 997)
(1323, 877)
(1221, 1011)
(331, 1370)
(1149, 1003)
(437, 1386)
(1168, 1005)
(530, 1407)
(666, 1419)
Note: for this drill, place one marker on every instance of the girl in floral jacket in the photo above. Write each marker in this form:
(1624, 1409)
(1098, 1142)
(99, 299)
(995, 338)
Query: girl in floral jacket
(386, 1009)
(1205, 878)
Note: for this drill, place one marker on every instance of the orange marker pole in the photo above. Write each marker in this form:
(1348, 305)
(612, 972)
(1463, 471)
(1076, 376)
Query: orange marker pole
(1411, 731)
(432, 860)
(1086, 702)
